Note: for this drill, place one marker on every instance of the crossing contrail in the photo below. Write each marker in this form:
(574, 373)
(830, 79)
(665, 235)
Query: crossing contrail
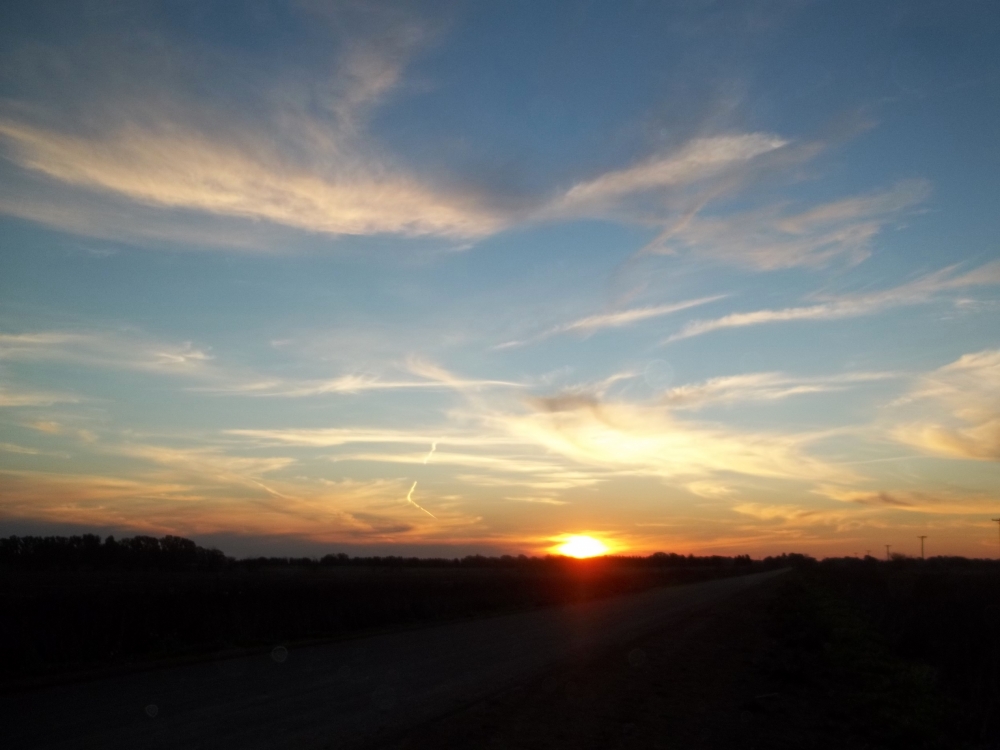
(434, 446)
(409, 499)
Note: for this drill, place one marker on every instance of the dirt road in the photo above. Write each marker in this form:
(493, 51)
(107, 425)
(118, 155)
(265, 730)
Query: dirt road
(344, 694)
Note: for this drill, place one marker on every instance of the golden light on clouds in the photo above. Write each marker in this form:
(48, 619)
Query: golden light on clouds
(581, 546)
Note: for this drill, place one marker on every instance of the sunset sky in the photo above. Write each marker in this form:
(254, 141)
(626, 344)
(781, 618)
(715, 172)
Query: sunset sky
(442, 278)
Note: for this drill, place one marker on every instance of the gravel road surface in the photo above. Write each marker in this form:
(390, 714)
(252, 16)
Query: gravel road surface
(345, 694)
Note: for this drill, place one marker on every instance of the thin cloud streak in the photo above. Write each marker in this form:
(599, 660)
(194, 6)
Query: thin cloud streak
(593, 323)
(910, 501)
(348, 384)
(496, 463)
(117, 350)
(337, 436)
(12, 396)
(762, 386)
(697, 160)
(770, 238)
(916, 292)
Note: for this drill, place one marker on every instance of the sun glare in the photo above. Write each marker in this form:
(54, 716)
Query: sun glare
(582, 546)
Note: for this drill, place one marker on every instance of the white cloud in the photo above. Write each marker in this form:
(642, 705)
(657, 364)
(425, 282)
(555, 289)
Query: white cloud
(619, 319)
(798, 517)
(13, 448)
(146, 142)
(772, 238)
(537, 499)
(697, 160)
(644, 439)
(336, 436)
(17, 396)
(963, 401)
(922, 290)
(710, 490)
(120, 350)
(534, 471)
(760, 386)
(245, 177)
(349, 384)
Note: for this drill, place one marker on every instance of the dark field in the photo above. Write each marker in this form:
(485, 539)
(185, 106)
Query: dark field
(911, 646)
(834, 655)
(843, 653)
(82, 606)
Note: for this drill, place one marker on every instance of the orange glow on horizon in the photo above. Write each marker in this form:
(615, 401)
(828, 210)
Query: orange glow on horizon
(581, 546)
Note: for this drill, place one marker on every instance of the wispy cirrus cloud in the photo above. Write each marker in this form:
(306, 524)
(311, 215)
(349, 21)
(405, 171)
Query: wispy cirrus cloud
(210, 146)
(698, 159)
(710, 490)
(23, 450)
(941, 502)
(772, 237)
(919, 291)
(244, 177)
(962, 409)
(207, 461)
(351, 383)
(800, 518)
(163, 503)
(114, 349)
(336, 436)
(761, 386)
(503, 464)
(11, 395)
(619, 319)
(645, 439)
(293, 151)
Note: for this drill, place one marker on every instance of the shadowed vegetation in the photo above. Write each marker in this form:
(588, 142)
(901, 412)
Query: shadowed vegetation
(80, 603)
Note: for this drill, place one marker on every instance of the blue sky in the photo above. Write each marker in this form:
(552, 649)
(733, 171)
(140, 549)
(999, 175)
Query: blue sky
(698, 276)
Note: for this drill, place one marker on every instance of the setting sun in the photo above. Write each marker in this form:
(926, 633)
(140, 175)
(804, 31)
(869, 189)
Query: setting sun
(582, 546)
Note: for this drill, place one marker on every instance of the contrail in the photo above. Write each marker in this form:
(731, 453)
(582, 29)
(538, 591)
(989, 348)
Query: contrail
(409, 499)
(434, 446)
(273, 492)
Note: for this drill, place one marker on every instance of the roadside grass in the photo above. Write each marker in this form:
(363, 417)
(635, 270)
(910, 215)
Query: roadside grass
(839, 683)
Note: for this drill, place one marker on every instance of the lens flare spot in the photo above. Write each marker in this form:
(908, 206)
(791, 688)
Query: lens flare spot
(582, 546)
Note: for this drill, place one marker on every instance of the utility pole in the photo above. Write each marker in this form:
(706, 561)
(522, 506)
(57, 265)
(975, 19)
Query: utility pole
(921, 538)
(997, 521)
(887, 555)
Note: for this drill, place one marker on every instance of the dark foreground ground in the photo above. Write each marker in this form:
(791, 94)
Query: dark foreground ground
(77, 607)
(351, 693)
(840, 654)
(873, 655)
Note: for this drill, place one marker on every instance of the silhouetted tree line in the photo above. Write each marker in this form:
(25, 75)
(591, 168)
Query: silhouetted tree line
(788, 560)
(89, 551)
(656, 560)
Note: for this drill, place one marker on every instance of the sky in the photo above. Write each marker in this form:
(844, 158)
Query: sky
(447, 278)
